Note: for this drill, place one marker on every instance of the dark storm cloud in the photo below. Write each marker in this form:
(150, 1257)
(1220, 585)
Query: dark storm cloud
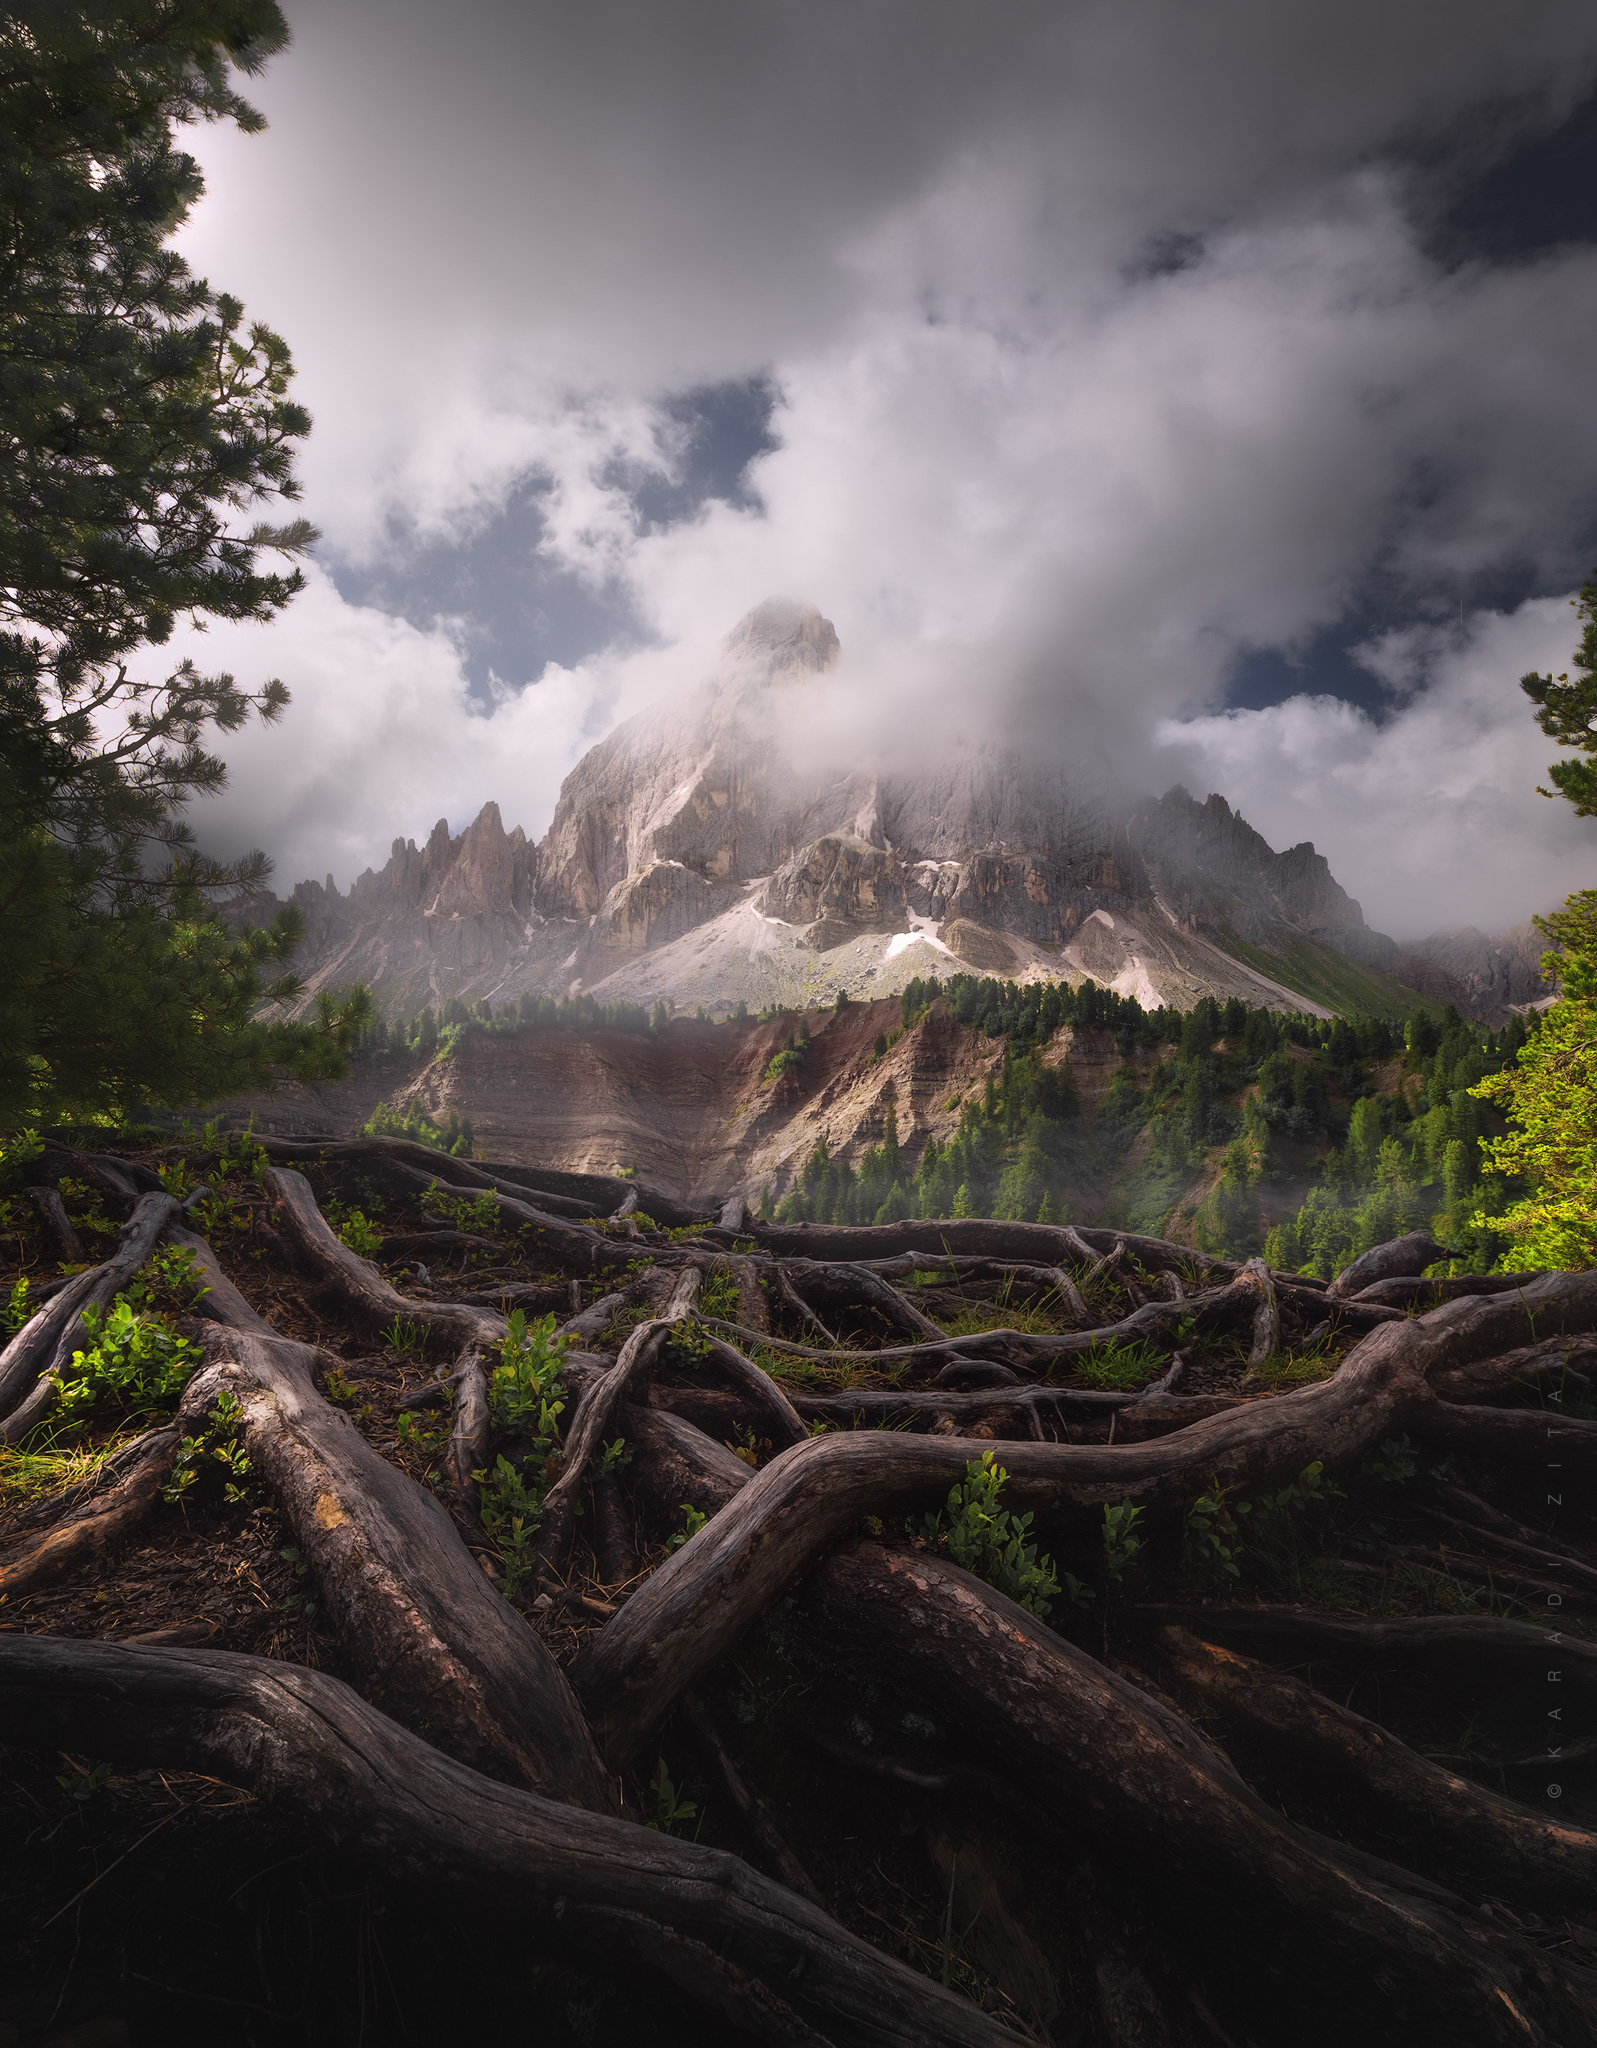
(1112, 355)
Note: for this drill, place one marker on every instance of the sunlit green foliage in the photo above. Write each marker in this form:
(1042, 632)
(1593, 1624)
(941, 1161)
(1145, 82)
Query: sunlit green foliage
(974, 1530)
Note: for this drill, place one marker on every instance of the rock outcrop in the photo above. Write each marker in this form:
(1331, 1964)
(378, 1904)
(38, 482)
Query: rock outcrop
(1489, 975)
(699, 853)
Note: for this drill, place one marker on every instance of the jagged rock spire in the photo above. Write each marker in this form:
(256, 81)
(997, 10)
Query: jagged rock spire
(782, 636)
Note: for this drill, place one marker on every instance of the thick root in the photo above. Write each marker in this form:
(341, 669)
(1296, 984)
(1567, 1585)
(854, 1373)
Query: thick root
(425, 1632)
(1386, 1953)
(362, 1785)
(90, 1533)
(1437, 1820)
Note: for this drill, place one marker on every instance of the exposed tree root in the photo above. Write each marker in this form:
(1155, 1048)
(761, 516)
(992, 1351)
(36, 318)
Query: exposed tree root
(701, 1600)
(357, 1279)
(1401, 1257)
(1381, 1949)
(1442, 1641)
(507, 1795)
(426, 1634)
(1561, 1443)
(773, 1963)
(91, 1532)
(1439, 1821)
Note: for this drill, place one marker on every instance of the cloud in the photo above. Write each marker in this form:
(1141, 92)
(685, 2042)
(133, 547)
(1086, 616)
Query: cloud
(1430, 818)
(384, 735)
(1106, 349)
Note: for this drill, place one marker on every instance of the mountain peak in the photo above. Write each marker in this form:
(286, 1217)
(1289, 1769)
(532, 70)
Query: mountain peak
(783, 635)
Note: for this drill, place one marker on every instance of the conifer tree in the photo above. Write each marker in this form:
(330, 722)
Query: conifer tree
(1567, 710)
(144, 423)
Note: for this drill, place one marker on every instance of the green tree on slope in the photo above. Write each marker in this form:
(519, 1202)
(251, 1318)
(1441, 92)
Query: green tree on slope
(1550, 1100)
(1550, 1096)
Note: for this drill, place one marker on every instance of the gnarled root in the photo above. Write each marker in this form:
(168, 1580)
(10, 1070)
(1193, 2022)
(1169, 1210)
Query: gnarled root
(1383, 1950)
(362, 1785)
(1439, 1821)
(91, 1532)
(425, 1632)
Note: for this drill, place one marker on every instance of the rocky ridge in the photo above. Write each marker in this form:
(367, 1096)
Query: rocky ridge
(694, 857)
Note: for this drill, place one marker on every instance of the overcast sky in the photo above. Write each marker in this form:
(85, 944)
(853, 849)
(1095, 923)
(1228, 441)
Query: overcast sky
(1213, 383)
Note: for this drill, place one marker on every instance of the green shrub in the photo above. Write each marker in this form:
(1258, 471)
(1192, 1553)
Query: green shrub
(692, 1523)
(16, 1311)
(718, 1294)
(217, 1445)
(134, 1361)
(1120, 1543)
(478, 1213)
(974, 1531)
(359, 1236)
(525, 1388)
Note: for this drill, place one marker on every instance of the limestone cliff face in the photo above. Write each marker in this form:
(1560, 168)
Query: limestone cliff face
(693, 855)
(1492, 974)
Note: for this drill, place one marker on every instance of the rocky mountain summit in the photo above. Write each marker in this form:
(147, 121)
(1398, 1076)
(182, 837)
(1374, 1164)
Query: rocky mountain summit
(700, 854)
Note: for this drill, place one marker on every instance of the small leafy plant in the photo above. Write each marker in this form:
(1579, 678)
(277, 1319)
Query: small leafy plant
(511, 1512)
(1311, 1489)
(172, 1273)
(216, 1445)
(1391, 1463)
(300, 1604)
(1210, 1534)
(670, 1810)
(718, 1293)
(1120, 1541)
(338, 1387)
(16, 1311)
(692, 1523)
(524, 1400)
(525, 1388)
(406, 1336)
(86, 1784)
(134, 1361)
(176, 1179)
(355, 1234)
(477, 1213)
(975, 1531)
(17, 1152)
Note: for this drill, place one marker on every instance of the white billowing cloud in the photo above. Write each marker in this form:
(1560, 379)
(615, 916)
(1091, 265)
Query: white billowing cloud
(384, 736)
(1432, 818)
(1042, 492)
